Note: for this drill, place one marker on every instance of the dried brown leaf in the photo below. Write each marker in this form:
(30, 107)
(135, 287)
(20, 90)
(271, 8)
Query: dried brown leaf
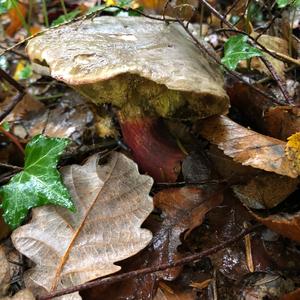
(275, 44)
(285, 224)
(21, 295)
(112, 202)
(246, 146)
(183, 210)
(265, 190)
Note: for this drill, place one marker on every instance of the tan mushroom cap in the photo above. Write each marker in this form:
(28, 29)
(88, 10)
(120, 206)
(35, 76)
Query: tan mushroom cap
(136, 60)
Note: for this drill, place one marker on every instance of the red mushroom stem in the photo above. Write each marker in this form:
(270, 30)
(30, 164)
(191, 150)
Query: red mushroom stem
(153, 148)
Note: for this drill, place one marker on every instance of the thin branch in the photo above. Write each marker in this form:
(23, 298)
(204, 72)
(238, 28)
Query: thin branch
(22, 55)
(153, 269)
(13, 102)
(16, 99)
(20, 88)
(233, 73)
(270, 67)
(11, 166)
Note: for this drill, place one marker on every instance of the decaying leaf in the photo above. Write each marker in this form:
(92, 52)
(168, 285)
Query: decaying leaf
(112, 202)
(10, 268)
(163, 294)
(247, 147)
(183, 210)
(285, 224)
(265, 190)
(69, 118)
(21, 295)
(282, 121)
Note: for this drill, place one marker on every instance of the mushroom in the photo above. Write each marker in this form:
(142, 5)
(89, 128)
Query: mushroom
(146, 68)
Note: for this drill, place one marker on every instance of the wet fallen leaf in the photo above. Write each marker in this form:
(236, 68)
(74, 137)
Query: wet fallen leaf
(163, 294)
(69, 118)
(183, 209)
(282, 121)
(295, 295)
(112, 201)
(265, 286)
(246, 146)
(264, 116)
(265, 190)
(285, 224)
(196, 168)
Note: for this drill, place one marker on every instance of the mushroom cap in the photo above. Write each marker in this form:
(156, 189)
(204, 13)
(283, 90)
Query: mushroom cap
(136, 57)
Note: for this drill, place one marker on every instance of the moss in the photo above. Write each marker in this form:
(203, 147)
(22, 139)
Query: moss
(136, 95)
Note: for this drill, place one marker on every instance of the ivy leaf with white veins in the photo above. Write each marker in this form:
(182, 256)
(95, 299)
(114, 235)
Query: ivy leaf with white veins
(38, 184)
(237, 49)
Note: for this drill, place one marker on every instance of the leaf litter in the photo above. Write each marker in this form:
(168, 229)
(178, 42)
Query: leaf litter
(257, 165)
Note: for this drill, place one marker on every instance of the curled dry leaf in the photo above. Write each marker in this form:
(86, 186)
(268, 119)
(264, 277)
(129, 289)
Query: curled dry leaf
(247, 147)
(112, 202)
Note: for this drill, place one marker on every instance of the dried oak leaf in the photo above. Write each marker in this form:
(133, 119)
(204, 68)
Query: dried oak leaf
(112, 202)
(21, 295)
(275, 45)
(247, 147)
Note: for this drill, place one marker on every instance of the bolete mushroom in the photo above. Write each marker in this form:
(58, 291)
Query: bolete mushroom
(146, 68)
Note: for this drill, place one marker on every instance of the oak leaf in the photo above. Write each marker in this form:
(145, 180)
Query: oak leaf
(68, 249)
(248, 147)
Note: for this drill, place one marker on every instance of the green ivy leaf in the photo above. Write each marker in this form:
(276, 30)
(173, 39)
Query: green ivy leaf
(25, 73)
(38, 184)
(284, 3)
(64, 18)
(237, 49)
(5, 126)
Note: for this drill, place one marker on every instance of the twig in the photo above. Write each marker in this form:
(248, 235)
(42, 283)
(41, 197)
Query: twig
(11, 137)
(20, 88)
(16, 99)
(24, 56)
(270, 67)
(280, 56)
(11, 167)
(153, 269)
(233, 73)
